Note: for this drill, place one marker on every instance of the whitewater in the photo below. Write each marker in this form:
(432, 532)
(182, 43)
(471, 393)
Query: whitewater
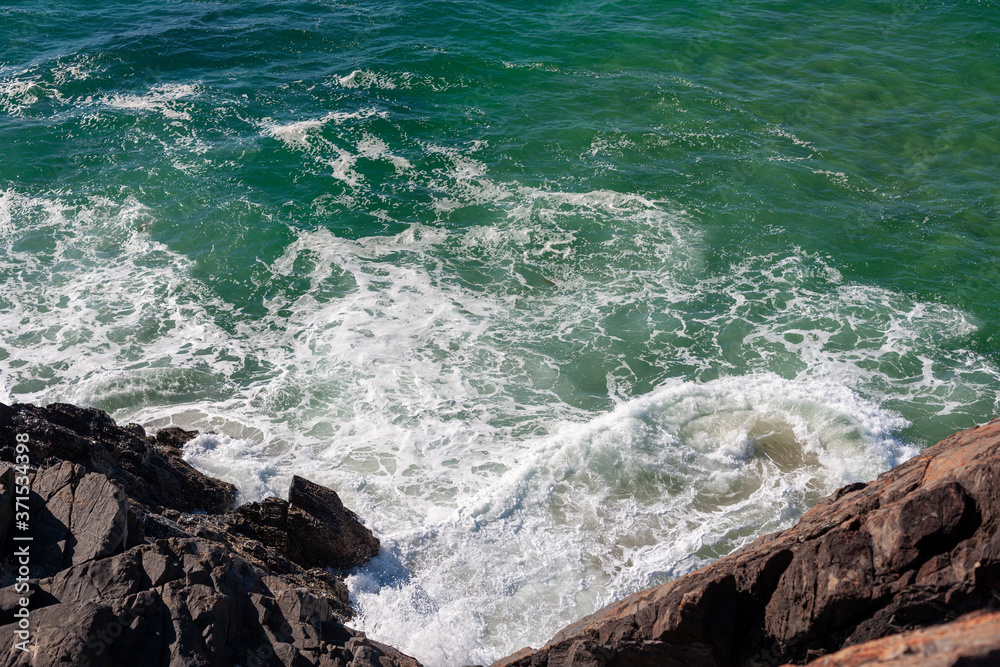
(563, 302)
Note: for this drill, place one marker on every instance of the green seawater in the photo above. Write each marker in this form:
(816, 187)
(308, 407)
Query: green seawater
(505, 273)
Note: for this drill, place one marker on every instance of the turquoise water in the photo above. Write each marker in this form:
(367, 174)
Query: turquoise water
(565, 300)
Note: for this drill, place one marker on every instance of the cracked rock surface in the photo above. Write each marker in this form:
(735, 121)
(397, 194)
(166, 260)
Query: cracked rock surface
(124, 571)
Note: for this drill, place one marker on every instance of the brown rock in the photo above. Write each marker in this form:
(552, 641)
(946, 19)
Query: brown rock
(970, 641)
(916, 547)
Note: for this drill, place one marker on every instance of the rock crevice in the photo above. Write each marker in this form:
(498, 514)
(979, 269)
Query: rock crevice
(139, 559)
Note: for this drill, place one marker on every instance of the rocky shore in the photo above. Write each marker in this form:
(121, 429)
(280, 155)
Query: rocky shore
(919, 547)
(136, 558)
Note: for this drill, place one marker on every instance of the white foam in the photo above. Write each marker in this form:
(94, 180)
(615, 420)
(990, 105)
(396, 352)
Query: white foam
(446, 380)
(305, 135)
(649, 491)
(342, 167)
(781, 132)
(164, 98)
(20, 90)
(374, 148)
(609, 146)
(5, 395)
(838, 177)
(86, 307)
(24, 87)
(294, 135)
(236, 460)
(368, 79)
(6, 219)
(341, 117)
(79, 68)
(297, 134)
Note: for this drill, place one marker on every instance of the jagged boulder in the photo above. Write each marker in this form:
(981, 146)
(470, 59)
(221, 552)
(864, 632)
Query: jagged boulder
(916, 547)
(312, 528)
(322, 531)
(123, 572)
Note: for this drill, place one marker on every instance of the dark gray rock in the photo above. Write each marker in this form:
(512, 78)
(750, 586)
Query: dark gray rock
(148, 475)
(322, 531)
(75, 517)
(312, 528)
(6, 501)
(133, 579)
(185, 601)
(173, 437)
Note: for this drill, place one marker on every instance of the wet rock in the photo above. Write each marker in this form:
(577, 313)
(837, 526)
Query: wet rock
(172, 439)
(264, 522)
(917, 547)
(322, 532)
(312, 528)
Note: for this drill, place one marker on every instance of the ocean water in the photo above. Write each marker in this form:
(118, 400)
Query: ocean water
(565, 300)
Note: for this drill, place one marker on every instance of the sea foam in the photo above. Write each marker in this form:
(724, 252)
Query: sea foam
(537, 413)
(657, 487)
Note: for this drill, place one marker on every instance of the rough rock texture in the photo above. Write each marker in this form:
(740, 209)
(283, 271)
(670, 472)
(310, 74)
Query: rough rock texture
(918, 546)
(123, 579)
(185, 602)
(312, 528)
(148, 473)
(76, 516)
(970, 641)
(314, 513)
